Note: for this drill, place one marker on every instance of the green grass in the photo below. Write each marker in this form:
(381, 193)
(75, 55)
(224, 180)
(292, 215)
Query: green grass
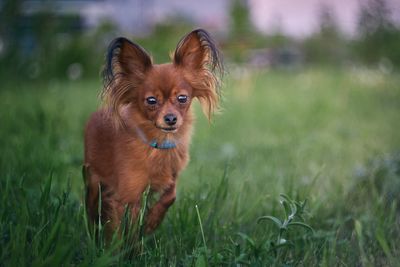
(326, 136)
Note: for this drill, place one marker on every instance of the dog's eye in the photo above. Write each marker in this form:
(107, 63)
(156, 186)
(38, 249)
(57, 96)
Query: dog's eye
(182, 99)
(151, 100)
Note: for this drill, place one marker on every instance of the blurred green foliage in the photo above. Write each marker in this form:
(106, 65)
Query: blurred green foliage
(327, 46)
(43, 45)
(164, 38)
(379, 36)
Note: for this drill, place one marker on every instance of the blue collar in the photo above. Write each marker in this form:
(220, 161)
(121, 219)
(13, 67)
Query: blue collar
(167, 144)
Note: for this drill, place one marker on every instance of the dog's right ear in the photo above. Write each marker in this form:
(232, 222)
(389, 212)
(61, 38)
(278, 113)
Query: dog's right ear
(125, 68)
(198, 53)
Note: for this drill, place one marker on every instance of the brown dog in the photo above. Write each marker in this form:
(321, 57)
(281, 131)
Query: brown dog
(141, 137)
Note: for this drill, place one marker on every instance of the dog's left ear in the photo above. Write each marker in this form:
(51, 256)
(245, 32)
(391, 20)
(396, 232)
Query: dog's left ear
(197, 53)
(125, 69)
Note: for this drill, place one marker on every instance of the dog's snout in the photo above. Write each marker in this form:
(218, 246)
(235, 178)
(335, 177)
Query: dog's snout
(170, 119)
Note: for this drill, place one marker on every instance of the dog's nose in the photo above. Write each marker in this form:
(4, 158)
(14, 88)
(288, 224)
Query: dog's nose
(170, 119)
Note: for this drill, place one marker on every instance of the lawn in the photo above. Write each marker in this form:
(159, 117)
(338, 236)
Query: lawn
(328, 137)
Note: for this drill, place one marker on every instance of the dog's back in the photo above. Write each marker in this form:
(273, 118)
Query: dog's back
(98, 161)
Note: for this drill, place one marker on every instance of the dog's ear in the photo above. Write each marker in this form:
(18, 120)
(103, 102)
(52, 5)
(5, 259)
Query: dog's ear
(197, 50)
(125, 68)
(198, 55)
(124, 59)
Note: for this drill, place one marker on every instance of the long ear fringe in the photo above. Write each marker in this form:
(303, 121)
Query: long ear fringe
(207, 83)
(116, 88)
(214, 59)
(206, 90)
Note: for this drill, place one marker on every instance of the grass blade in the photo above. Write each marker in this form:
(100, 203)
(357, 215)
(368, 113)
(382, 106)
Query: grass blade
(271, 218)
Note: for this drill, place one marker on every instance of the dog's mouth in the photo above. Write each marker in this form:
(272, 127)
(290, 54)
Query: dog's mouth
(168, 129)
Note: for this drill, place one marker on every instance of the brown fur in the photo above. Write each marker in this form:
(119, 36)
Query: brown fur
(119, 162)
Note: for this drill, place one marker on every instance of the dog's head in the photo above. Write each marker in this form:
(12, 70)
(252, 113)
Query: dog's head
(162, 94)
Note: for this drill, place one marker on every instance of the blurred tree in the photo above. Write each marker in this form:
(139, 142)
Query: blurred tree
(43, 44)
(327, 45)
(379, 36)
(374, 17)
(167, 34)
(240, 19)
(277, 38)
(10, 17)
(240, 31)
(242, 35)
(327, 20)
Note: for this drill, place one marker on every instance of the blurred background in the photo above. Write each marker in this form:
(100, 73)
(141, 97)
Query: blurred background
(310, 109)
(67, 39)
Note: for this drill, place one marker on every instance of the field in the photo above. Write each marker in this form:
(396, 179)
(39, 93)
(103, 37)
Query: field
(325, 136)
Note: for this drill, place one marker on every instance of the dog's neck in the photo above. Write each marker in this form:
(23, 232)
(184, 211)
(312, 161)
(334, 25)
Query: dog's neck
(164, 144)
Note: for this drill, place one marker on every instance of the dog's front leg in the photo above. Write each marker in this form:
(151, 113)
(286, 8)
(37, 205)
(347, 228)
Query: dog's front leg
(157, 212)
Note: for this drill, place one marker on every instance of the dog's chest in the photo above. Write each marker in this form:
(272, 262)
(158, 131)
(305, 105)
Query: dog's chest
(164, 167)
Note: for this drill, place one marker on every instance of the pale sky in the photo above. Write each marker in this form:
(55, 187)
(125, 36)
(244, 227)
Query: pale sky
(300, 17)
(297, 18)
